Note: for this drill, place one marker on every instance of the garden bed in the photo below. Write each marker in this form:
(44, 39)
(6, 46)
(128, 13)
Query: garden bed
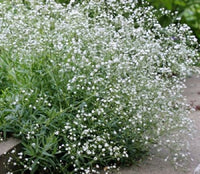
(93, 85)
(8, 149)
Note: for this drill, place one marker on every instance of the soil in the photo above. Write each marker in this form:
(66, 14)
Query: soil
(157, 165)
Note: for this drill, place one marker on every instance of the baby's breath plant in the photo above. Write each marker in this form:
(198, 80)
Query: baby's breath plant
(92, 85)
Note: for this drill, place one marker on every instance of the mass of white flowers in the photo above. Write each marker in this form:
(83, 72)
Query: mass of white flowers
(92, 85)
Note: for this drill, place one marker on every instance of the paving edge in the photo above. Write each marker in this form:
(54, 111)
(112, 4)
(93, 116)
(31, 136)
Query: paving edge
(5, 148)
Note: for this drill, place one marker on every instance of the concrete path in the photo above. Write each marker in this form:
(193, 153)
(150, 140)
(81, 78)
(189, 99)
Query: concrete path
(157, 165)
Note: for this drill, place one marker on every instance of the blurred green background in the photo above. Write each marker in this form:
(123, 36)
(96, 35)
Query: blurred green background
(188, 10)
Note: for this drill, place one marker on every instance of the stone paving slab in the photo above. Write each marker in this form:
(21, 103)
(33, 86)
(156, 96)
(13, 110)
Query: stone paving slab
(157, 165)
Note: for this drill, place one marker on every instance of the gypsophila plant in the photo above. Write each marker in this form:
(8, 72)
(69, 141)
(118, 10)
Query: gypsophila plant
(91, 85)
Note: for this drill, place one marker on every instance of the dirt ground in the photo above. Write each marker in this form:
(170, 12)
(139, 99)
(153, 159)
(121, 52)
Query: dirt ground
(157, 165)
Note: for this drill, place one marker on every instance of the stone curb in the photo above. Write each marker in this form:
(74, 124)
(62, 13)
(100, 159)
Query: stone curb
(6, 147)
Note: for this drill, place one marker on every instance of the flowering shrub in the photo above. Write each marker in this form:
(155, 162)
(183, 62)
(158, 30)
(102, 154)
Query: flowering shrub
(93, 85)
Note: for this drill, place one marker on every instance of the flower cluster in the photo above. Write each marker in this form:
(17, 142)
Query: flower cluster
(92, 85)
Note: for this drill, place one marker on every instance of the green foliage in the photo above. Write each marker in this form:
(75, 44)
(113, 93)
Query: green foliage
(188, 10)
(91, 85)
